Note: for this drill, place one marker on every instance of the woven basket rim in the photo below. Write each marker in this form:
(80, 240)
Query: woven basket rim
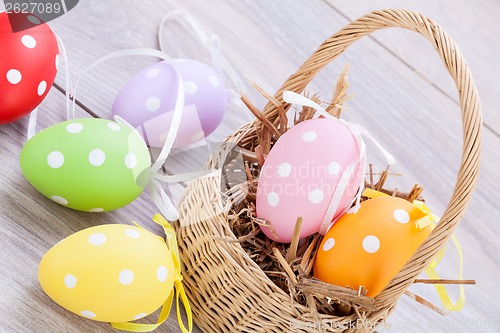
(327, 52)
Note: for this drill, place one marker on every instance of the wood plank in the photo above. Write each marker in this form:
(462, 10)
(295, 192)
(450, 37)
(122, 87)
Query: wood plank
(473, 25)
(268, 41)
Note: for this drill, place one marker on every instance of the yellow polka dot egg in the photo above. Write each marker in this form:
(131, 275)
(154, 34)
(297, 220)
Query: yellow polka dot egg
(109, 273)
(91, 165)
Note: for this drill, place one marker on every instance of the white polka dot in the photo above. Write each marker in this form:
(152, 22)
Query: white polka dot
(162, 273)
(284, 169)
(330, 242)
(309, 136)
(58, 59)
(334, 168)
(88, 314)
(130, 161)
(214, 81)
(74, 128)
(273, 199)
(96, 210)
(316, 196)
(70, 281)
(42, 87)
(28, 41)
(132, 233)
(401, 216)
(55, 159)
(97, 157)
(197, 136)
(153, 104)
(126, 277)
(97, 239)
(140, 315)
(371, 244)
(190, 87)
(14, 76)
(114, 127)
(153, 73)
(59, 200)
(34, 20)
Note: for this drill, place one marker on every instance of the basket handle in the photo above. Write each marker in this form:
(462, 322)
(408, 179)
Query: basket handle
(471, 121)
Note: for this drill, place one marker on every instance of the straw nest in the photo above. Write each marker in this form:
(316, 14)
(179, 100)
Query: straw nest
(289, 266)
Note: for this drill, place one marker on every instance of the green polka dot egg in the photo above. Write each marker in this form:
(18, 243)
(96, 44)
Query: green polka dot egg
(91, 165)
(111, 273)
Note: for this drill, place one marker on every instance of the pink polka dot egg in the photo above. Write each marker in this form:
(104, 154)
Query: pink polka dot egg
(91, 165)
(301, 174)
(147, 101)
(28, 66)
(110, 273)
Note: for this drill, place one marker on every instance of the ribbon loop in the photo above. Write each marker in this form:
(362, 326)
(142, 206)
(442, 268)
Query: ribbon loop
(441, 289)
(33, 119)
(180, 292)
(428, 219)
(211, 43)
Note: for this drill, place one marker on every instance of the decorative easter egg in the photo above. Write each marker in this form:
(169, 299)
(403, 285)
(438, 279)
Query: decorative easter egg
(111, 273)
(91, 165)
(28, 67)
(369, 247)
(301, 174)
(147, 101)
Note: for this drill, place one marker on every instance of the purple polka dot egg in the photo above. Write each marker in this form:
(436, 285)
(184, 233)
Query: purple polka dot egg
(91, 165)
(301, 174)
(148, 100)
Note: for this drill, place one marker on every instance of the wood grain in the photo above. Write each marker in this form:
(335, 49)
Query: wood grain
(403, 96)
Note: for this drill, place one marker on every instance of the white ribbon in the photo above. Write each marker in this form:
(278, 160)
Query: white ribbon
(32, 123)
(114, 55)
(358, 132)
(67, 73)
(33, 120)
(212, 44)
(160, 197)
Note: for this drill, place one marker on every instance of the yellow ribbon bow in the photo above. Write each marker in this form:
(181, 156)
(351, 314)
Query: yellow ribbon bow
(428, 219)
(178, 291)
(431, 220)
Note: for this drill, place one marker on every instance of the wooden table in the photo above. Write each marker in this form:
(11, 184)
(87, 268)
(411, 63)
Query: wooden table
(403, 96)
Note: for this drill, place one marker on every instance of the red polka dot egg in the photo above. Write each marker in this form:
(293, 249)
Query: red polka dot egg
(302, 173)
(91, 165)
(147, 101)
(369, 247)
(110, 273)
(28, 67)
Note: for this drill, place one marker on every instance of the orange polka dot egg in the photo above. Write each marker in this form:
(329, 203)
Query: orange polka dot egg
(109, 273)
(368, 247)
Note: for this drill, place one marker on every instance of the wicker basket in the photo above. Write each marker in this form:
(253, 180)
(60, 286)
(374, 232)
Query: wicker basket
(228, 291)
